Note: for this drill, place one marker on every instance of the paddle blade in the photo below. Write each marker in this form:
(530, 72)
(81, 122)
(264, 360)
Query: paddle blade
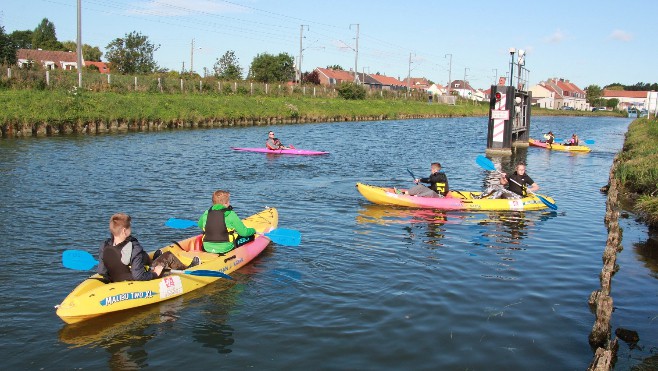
(546, 202)
(181, 223)
(78, 260)
(286, 237)
(204, 273)
(589, 141)
(485, 163)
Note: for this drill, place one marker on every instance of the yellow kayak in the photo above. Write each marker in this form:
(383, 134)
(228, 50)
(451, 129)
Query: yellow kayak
(558, 147)
(93, 297)
(456, 200)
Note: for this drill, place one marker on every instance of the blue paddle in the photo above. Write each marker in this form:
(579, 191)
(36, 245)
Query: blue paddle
(83, 261)
(486, 164)
(281, 236)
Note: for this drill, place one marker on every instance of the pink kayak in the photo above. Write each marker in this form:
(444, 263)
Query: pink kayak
(295, 151)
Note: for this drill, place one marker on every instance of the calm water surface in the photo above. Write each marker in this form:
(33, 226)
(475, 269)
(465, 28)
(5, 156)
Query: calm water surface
(370, 287)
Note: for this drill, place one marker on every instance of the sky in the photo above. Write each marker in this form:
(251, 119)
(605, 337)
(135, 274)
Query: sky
(585, 41)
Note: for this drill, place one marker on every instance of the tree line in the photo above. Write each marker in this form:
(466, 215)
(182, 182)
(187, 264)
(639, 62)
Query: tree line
(134, 54)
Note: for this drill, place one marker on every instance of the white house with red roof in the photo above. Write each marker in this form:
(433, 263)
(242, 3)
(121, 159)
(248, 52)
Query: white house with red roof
(627, 98)
(49, 59)
(543, 96)
(567, 94)
(331, 77)
(463, 89)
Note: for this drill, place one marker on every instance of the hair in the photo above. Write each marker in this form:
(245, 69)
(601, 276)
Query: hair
(436, 164)
(220, 197)
(270, 132)
(520, 163)
(119, 221)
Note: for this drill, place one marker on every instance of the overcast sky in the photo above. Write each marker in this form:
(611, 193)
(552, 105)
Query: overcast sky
(588, 42)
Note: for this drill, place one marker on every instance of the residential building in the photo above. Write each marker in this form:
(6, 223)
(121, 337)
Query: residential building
(102, 66)
(331, 77)
(543, 96)
(437, 89)
(567, 94)
(463, 89)
(389, 83)
(627, 98)
(417, 83)
(49, 59)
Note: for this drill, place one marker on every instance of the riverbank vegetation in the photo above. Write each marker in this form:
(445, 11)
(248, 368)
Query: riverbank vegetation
(638, 167)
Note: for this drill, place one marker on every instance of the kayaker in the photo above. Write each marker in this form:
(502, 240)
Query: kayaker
(513, 190)
(573, 141)
(274, 143)
(219, 222)
(122, 258)
(437, 180)
(549, 137)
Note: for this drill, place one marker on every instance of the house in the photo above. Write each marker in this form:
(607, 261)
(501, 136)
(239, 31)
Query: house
(627, 99)
(417, 83)
(102, 66)
(389, 83)
(331, 77)
(543, 96)
(437, 89)
(463, 89)
(49, 59)
(567, 94)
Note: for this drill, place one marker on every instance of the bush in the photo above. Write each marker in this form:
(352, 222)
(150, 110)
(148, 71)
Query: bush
(351, 91)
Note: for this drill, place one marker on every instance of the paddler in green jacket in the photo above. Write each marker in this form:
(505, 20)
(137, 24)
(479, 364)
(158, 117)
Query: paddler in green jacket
(219, 222)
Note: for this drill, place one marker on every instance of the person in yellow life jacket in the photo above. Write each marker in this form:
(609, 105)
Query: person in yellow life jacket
(437, 180)
(220, 222)
(519, 181)
(550, 138)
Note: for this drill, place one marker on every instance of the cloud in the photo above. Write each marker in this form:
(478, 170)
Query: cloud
(557, 37)
(172, 8)
(621, 35)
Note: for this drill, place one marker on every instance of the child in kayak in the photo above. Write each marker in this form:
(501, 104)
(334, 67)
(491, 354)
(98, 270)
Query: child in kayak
(437, 180)
(216, 223)
(274, 143)
(517, 185)
(122, 258)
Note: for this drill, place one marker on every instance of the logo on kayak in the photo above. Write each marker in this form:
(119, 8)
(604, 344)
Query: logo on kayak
(127, 296)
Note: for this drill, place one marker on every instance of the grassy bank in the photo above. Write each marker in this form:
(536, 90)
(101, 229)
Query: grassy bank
(33, 106)
(638, 167)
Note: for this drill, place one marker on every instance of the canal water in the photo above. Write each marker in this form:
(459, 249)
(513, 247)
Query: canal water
(369, 288)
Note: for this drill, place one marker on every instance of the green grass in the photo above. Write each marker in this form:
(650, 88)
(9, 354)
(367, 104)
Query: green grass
(638, 167)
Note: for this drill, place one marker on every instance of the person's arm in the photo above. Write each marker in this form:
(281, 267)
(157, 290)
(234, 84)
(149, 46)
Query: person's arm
(202, 221)
(233, 222)
(447, 188)
(533, 186)
(137, 267)
(102, 269)
(270, 144)
(504, 179)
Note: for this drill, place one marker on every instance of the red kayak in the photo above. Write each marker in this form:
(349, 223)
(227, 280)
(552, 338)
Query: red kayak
(292, 151)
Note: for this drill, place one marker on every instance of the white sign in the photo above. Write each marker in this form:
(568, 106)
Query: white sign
(500, 114)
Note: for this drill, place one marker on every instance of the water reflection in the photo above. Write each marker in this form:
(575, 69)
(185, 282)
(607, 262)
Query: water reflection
(647, 253)
(125, 334)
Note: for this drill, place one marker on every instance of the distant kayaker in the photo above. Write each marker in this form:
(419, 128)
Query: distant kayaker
(274, 143)
(122, 258)
(517, 185)
(550, 138)
(219, 222)
(573, 141)
(437, 180)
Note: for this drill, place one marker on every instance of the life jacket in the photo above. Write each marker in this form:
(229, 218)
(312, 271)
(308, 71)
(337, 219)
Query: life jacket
(439, 186)
(117, 260)
(216, 230)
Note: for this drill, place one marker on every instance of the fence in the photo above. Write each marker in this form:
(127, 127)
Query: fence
(165, 83)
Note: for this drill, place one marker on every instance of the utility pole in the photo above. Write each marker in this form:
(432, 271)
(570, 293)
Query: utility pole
(409, 74)
(299, 68)
(356, 55)
(182, 70)
(449, 72)
(79, 44)
(192, 58)
(495, 71)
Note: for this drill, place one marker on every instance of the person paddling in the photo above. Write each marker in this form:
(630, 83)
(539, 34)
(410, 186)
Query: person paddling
(437, 180)
(273, 143)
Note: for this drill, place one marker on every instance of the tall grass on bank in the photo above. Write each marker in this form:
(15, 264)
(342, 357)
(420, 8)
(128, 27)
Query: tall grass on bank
(75, 105)
(638, 166)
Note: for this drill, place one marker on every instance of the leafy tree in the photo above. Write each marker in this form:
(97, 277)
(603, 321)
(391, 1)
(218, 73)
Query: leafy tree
(44, 36)
(594, 94)
(272, 68)
(132, 54)
(614, 86)
(351, 91)
(336, 67)
(22, 39)
(312, 77)
(228, 67)
(89, 53)
(612, 103)
(7, 48)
